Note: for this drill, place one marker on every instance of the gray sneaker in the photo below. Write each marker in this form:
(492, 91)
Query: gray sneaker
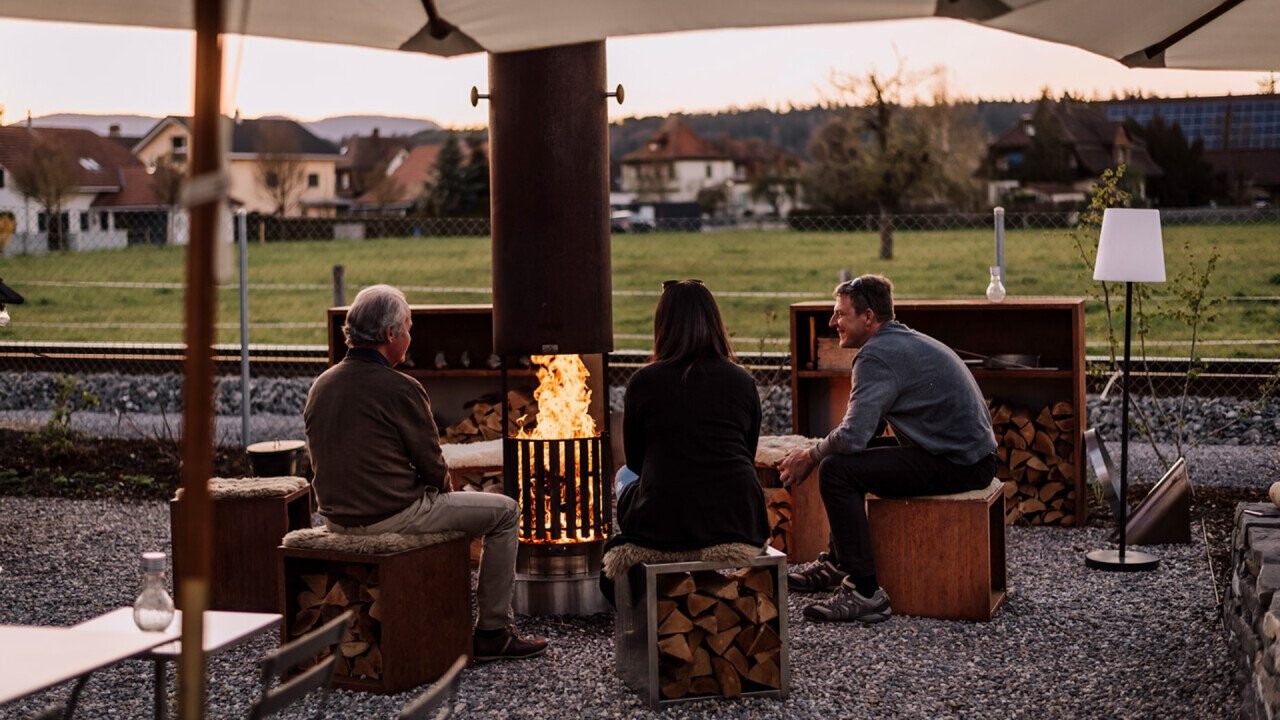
(848, 605)
(820, 576)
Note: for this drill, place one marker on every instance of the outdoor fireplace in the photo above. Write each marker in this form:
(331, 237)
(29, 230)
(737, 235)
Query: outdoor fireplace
(557, 467)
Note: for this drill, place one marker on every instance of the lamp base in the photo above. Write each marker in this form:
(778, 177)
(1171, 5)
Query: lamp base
(1132, 561)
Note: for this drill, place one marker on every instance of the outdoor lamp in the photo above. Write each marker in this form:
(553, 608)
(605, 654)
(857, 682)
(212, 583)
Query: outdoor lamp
(1130, 250)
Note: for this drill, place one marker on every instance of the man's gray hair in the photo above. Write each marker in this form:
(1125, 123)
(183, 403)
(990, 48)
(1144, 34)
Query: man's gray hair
(375, 309)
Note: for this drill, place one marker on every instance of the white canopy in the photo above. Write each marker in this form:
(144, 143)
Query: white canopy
(1203, 34)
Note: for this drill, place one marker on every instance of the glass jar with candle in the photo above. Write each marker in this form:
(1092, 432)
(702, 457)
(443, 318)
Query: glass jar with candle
(153, 610)
(995, 290)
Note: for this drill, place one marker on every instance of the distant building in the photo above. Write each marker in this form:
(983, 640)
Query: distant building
(363, 157)
(1077, 143)
(1241, 134)
(676, 167)
(111, 204)
(253, 141)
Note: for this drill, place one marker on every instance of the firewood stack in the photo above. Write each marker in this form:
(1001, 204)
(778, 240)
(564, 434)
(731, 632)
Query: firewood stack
(778, 507)
(485, 423)
(326, 595)
(1036, 462)
(485, 420)
(718, 634)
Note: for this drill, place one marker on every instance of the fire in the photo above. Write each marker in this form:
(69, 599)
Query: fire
(564, 404)
(564, 400)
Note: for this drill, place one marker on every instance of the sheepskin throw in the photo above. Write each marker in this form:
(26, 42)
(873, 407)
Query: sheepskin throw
(620, 559)
(1274, 493)
(251, 487)
(469, 456)
(322, 539)
(773, 447)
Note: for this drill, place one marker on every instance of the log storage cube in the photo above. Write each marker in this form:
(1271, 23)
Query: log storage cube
(412, 605)
(798, 523)
(696, 629)
(250, 516)
(941, 556)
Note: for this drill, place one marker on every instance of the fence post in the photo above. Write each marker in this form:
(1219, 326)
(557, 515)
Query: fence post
(339, 285)
(242, 224)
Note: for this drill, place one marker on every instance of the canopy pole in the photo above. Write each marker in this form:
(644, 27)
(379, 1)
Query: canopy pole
(197, 395)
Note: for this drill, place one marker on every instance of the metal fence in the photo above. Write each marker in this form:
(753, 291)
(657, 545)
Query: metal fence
(104, 293)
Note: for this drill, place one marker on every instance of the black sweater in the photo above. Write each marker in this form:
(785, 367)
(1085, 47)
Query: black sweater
(692, 440)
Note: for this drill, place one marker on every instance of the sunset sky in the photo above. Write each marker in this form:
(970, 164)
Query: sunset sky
(47, 68)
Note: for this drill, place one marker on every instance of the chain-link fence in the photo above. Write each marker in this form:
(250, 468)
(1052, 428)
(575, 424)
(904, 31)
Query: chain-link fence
(104, 293)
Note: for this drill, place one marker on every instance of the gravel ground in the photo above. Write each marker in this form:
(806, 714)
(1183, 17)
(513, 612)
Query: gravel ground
(1068, 643)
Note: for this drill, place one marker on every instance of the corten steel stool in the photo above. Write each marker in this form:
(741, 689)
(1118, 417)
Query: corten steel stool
(636, 630)
(411, 597)
(250, 516)
(941, 556)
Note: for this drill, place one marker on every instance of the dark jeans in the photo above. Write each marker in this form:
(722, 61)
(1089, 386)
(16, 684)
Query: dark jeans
(845, 481)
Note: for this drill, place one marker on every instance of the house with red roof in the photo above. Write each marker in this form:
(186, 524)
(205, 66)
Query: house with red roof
(106, 183)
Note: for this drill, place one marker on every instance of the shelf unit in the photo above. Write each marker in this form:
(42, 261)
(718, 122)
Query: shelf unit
(1052, 328)
(453, 330)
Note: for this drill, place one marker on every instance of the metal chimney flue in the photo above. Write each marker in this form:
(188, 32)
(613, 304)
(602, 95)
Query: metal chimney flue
(549, 190)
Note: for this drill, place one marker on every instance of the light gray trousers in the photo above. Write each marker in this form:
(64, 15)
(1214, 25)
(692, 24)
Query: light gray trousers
(496, 517)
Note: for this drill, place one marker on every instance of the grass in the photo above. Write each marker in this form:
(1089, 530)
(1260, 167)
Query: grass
(290, 282)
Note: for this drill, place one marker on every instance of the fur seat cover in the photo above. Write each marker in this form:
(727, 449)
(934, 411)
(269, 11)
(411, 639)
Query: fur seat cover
(620, 559)
(251, 487)
(322, 539)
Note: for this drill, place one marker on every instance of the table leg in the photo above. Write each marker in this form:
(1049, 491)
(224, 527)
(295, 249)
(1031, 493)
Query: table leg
(162, 691)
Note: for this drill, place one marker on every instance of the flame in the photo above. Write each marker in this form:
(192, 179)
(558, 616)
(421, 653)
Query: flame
(564, 400)
(564, 412)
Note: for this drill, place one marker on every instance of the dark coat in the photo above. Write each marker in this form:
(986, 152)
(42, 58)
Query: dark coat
(691, 437)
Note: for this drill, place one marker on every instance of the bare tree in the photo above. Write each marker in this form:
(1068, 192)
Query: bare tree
(166, 182)
(883, 150)
(48, 176)
(280, 171)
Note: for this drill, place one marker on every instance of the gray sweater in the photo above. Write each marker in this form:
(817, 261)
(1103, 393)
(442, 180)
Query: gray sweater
(922, 389)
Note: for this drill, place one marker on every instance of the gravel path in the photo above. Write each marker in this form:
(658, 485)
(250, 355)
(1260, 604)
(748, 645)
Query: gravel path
(1068, 643)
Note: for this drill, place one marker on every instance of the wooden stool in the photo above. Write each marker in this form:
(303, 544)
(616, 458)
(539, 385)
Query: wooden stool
(411, 595)
(941, 556)
(685, 631)
(250, 516)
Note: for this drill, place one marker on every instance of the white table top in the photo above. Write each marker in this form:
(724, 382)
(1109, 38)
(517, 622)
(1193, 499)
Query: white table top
(222, 629)
(35, 658)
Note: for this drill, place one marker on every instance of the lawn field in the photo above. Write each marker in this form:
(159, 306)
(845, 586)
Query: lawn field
(135, 294)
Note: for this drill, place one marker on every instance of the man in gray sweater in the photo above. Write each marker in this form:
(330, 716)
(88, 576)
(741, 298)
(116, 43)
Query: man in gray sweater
(375, 451)
(942, 443)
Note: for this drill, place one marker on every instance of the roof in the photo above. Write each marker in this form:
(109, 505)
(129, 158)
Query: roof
(757, 155)
(136, 190)
(96, 160)
(675, 141)
(1091, 136)
(409, 178)
(254, 136)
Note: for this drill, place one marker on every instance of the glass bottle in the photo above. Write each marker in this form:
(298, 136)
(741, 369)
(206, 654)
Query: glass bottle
(995, 291)
(153, 610)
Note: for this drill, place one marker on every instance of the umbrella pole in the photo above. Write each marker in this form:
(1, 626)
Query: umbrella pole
(197, 406)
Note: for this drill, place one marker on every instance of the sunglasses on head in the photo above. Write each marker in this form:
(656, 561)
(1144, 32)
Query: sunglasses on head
(668, 283)
(856, 284)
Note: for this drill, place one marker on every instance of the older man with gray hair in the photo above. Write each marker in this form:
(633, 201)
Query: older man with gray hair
(375, 451)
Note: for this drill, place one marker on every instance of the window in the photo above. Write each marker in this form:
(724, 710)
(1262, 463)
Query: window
(90, 164)
(104, 221)
(313, 180)
(84, 222)
(272, 179)
(708, 170)
(1, 178)
(345, 180)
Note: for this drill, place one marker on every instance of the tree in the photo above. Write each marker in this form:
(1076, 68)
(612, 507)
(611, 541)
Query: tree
(459, 186)
(1188, 178)
(280, 169)
(878, 152)
(166, 182)
(48, 176)
(1046, 158)
(713, 199)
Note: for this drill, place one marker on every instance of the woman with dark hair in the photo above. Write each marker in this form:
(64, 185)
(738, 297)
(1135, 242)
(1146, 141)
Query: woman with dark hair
(690, 427)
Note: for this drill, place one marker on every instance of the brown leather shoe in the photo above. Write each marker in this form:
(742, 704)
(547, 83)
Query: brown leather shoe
(507, 646)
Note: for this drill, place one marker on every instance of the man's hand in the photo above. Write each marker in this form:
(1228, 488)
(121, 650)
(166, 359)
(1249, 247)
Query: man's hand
(794, 467)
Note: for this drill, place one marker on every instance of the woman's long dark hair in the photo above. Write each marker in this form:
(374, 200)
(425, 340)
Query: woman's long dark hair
(687, 326)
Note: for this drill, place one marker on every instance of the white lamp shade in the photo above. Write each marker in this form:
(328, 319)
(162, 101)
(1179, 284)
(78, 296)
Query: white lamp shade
(1130, 248)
